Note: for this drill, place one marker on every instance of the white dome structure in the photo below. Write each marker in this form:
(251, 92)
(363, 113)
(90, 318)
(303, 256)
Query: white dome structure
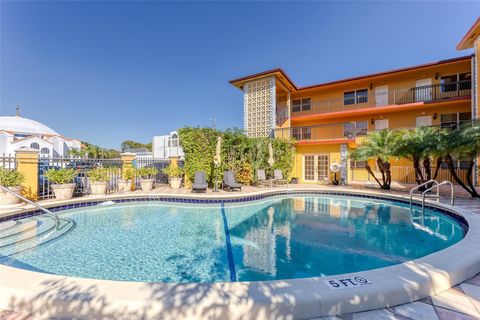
(22, 125)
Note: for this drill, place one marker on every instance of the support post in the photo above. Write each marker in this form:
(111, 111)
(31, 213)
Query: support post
(127, 163)
(27, 164)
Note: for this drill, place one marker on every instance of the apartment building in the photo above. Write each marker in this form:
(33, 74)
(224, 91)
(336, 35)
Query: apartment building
(329, 119)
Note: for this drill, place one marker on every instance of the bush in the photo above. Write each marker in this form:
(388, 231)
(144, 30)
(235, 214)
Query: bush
(128, 173)
(173, 170)
(146, 172)
(11, 177)
(60, 176)
(99, 175)
(243, 155)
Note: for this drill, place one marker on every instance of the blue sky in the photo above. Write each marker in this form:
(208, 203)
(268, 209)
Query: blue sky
(109, 71)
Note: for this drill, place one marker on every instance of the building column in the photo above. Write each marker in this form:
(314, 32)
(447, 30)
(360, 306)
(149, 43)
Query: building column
(127, 163)
(27, 164)
(344, 163)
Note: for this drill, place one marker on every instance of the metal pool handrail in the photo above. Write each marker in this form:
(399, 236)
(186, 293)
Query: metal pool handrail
(452, 198)
(55, 217)
(418, 187)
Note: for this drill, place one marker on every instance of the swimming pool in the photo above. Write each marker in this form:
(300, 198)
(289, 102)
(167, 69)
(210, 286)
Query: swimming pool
(281, 237)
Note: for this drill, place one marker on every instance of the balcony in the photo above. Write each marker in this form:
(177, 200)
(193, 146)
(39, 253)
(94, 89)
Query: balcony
(322, 134)
(360, 100)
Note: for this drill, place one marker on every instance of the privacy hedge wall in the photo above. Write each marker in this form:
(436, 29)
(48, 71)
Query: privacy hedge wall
(243, 155)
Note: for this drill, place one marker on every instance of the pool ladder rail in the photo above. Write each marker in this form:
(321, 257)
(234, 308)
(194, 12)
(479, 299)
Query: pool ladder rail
(435, 185)
(50, 213)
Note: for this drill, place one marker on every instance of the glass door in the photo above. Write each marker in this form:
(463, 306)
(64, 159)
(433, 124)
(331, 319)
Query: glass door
(315, 167)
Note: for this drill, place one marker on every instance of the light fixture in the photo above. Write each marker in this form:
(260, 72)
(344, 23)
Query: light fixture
(371, 86)
(372, 121)
(437, 75)
(435, 116)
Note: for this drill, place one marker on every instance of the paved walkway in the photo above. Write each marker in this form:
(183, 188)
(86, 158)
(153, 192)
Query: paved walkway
(458, 303)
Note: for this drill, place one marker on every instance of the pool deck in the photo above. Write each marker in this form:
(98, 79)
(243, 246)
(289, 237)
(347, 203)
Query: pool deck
(460, 302)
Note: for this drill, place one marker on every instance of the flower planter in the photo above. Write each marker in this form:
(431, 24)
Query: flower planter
(175, 182)
(8, 198)
(146, 184)
(98, 188)
(123, 185)
(63, 191)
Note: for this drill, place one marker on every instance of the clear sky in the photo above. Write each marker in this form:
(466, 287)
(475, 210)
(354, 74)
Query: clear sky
(109, 71)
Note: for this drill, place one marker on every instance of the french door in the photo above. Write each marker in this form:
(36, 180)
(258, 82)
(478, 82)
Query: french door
(423, 90)
(315, 167)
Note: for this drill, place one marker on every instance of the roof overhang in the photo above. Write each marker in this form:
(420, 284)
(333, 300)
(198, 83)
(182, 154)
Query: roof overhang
(469, 38)
(278, 73)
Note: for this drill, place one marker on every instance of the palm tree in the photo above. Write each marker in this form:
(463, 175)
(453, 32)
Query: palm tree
(379, 145)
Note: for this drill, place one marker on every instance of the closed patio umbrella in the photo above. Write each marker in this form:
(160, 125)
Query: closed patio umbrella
(271, 161)
(217, 160)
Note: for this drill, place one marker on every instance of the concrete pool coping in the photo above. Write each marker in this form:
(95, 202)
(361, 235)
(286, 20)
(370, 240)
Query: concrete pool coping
(46, 295)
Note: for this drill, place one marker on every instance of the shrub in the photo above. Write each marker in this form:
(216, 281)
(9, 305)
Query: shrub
(99, 174)
(173, 170)
(11, 177)
(60, 176)
(128, 173)
(146, 172)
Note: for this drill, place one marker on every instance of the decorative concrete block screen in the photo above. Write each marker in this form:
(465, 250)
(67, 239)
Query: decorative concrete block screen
(259, 107)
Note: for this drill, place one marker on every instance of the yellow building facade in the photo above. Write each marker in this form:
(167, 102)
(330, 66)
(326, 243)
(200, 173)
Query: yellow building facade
(327, 120)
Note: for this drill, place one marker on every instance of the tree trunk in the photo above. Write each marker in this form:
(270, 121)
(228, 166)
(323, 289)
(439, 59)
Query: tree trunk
(451, 168)
(418, 172)
(469, 179)
(428, 169)
(382, 171)
(437, 169)
(388, 173)
(369, 170)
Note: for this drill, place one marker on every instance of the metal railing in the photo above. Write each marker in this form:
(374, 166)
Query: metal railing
(429, 93)
(52, 214)
(412, 191)
(437, 186)
(160, 178)
(8, 161)
(325, 132)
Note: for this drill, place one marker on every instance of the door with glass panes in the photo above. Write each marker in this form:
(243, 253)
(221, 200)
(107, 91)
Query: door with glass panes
(315, 167)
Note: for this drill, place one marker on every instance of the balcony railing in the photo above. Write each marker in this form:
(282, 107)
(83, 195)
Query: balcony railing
(430, 93)
(321, 133)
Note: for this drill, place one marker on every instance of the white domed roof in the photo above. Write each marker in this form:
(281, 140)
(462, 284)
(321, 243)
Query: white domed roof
(23, 125)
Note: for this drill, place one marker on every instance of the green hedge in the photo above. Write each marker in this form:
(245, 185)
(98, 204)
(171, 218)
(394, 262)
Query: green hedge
(243, 155)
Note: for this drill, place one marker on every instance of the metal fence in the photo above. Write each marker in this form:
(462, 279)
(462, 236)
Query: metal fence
(82, 166)
(160, 178)
(406, 174)
(8, 161)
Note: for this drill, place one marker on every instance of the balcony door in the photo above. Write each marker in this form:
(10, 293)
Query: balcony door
(315, 167)
(423, 90)
(381, 96)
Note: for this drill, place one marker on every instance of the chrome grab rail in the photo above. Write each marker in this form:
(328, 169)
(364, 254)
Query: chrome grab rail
(452, 198)
(55, 217)
(418, 187)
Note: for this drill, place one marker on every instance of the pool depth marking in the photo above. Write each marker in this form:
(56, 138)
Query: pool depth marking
(344, 283)
(231, 263)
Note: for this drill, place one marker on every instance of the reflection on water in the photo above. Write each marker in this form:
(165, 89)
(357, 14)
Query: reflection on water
(310, 236)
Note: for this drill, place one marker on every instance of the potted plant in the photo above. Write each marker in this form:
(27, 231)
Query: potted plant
(98, 179)
(146, 177)
(174, 173)
(11, 179)
(127, 177)
(62, 182)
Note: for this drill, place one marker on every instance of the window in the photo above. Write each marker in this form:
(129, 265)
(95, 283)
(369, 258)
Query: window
(381, 124)
(453, 120)
(450, 83)
(361, 128)
(358, 164)
(352, 129)
(353, 97)
(45, 151)
(35, 145)
(423, 121)
(302, 133)
(301, 105)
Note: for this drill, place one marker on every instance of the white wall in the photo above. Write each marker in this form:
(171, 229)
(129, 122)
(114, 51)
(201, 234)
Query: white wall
(167, 146)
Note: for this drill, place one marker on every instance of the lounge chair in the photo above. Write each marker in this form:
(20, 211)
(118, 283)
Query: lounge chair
(200, 183)
(279, 179)
(229, 181)
(262, 179)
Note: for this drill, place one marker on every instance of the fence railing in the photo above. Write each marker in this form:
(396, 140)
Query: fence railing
(8, 161)
(406, 174)
(325, 132)
(429, 93)
(160, 178)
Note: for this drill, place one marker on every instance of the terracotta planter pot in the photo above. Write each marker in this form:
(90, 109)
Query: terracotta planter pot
(63, 191)
(146, 184)
(8, 198)
(123, 185)
(98, 188)
(175, 183)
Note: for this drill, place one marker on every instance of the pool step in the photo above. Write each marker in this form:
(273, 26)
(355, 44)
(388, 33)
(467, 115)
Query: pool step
(17, 227)
(32, 232)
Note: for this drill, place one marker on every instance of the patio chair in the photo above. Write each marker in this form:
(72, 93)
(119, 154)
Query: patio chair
(200, 183)
(229, 182)
(278, 178)
(262, 179)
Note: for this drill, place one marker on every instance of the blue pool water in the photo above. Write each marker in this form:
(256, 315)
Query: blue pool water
(278, 238)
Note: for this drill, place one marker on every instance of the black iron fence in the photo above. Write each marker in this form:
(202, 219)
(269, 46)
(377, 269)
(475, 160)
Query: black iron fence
(160, 178)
